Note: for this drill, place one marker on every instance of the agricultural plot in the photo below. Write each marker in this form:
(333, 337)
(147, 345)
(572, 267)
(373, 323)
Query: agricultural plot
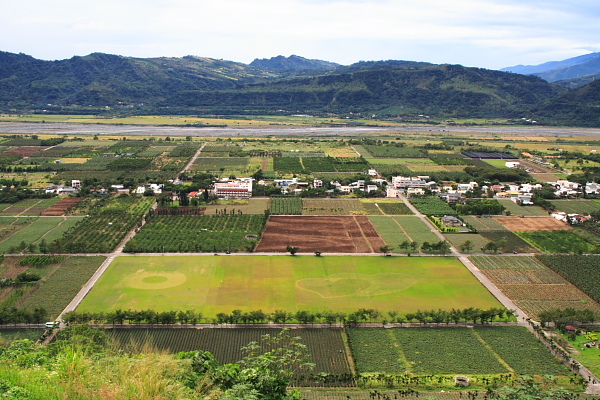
(581, 270)
(433, 206)
(532, 285)
(388, 206)
(254, 205)
(285, 205)
(508, 242)
(389, 229)
(58, 290)
(557, 241)
(516, 209)
(483, 224)
(325, 347)
(391, 169)
(62, 206)
(394, 152)
(524, 353)
(218, 163)
(213, 285)
(29, 207)
(519, 224)
(327, 234)
(104, 230)
(332, 207)
(12, 270)
(452, 350)
(9, 335)
(457, 239)
(579, 206)
(191, 233)
(35, 228)
(288, 165)
(416, 229)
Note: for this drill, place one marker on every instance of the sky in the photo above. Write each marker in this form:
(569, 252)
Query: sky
(477, 33)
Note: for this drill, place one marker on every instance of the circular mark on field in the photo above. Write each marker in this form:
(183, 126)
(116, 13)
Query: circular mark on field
(354, 284)
(155, 280)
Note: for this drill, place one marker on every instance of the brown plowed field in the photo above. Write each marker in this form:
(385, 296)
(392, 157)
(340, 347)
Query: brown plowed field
(25, 151)
(518, 224)
(320, 233)
(58, 210)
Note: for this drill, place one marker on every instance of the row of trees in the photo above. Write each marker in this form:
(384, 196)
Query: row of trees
(363, 315)
(568, 316)
(10, 316)
(441, 247)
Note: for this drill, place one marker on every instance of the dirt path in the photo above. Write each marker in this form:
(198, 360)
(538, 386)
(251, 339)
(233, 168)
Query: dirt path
(192, 160)
(365, 238)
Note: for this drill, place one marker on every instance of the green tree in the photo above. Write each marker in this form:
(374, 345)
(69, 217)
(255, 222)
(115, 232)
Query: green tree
(467, 246)
(292, 249)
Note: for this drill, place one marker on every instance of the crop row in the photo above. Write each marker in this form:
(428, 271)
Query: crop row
(581, 270)
(394, 152)
(325, 346)
(451, 351)
(433, 206)
(285, 206)
(183, 233)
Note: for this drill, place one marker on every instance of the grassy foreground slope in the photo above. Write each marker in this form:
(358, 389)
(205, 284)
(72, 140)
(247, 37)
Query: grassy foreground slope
(213, 285)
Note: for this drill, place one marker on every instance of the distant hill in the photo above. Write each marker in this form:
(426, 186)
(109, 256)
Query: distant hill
(199, 85)
(388, 88)
(576, 71)
(576, 107)
(292, 63)
(104, 79)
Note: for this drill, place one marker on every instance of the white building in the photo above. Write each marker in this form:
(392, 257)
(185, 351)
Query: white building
(240, 188)
(406, 182)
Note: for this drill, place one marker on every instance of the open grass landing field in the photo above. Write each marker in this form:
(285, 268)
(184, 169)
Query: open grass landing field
(212, 285)
(328, 234)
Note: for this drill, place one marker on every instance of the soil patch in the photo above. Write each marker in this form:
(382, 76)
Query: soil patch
(320, 233)
(525, 224)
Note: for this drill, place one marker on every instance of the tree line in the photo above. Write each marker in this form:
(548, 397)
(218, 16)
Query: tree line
(363, 315)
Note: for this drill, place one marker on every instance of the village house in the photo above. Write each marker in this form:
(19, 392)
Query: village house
(449, 220)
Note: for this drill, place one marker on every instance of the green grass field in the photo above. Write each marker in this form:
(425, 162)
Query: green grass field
(516, 209)
(212, 284)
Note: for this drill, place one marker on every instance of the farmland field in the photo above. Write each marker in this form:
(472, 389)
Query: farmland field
(325, 346)
(212, 285)
(31, 233)
(581, 270)
(516, 209)
(457, 239)
(192, 233)
(578, 206)
(332, 207)
(216, 163)
(329, 234)
(432, 206)
(60, 288)
(455, 350)
(508, 241)
(416, 229)
(253, 205)
(533, 286)
(389, 229)
(291, 205)
(518, 224)
(483, 224)
(557, 241)
(388, 206)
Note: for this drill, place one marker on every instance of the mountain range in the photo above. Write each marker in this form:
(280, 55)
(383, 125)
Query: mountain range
(572, 72)
(198, 85)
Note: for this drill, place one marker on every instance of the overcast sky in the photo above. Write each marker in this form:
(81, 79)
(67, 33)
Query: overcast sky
(479, 33)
